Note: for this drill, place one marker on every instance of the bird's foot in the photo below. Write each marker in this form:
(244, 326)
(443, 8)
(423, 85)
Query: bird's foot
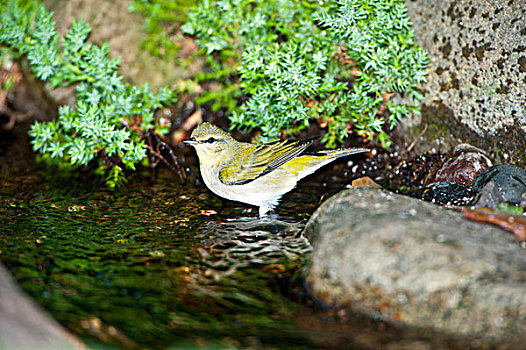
(264, 211)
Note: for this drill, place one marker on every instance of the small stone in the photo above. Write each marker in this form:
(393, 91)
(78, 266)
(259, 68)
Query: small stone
(448, 193)
(465, 164)
(365, 181)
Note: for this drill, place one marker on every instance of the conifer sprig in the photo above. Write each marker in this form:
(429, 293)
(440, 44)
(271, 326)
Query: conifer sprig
(299, 61)
(97, 128)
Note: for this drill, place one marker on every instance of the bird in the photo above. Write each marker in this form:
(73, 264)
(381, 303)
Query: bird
(258, 175)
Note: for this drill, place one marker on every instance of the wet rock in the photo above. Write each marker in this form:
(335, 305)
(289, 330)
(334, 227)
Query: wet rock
(475, 87)
(464, 165)
(490, 196)
(24, 325)
(452, 180)
(498, 184)
(449, 193)
(413, 263)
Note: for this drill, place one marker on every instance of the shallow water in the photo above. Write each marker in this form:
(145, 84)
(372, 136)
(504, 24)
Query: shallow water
(170, 265)
(151, 266)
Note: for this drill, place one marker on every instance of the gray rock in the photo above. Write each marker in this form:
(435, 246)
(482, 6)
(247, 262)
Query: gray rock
(498, 184)
(415, 263)
(24, 325)
(476, 87)
(495, 185)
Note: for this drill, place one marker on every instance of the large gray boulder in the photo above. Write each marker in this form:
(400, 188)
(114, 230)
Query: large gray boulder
(414, 263)
(476, 88)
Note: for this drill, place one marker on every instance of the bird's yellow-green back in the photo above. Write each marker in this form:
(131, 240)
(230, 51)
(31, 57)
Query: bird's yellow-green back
(252, 162)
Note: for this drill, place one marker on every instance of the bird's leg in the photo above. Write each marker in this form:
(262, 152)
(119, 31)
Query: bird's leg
(264, 210)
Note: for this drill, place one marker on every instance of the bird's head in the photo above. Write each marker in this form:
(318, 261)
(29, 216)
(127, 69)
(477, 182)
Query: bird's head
(211, 143)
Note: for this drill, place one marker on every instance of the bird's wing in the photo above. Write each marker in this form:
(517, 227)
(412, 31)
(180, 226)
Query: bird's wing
(250, 163)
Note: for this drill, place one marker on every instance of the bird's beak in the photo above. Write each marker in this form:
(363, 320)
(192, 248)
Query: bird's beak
(191, 141)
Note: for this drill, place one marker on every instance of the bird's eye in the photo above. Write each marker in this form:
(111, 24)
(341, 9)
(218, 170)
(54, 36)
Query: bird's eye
(211, 140)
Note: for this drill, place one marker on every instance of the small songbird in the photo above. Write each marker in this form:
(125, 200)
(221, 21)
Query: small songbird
(256, 174)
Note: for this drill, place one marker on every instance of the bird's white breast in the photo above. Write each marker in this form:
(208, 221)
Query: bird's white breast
(263, 191)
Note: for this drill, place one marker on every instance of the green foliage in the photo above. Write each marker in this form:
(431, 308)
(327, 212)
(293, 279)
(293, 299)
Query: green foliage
(299, 61)
(162, 19)
(98, 128)
(510, 208)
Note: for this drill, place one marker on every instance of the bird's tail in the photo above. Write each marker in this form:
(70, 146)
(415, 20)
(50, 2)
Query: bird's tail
(309, 163)
(342, 152)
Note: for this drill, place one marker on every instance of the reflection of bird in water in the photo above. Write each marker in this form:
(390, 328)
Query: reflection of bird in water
(243, 242)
